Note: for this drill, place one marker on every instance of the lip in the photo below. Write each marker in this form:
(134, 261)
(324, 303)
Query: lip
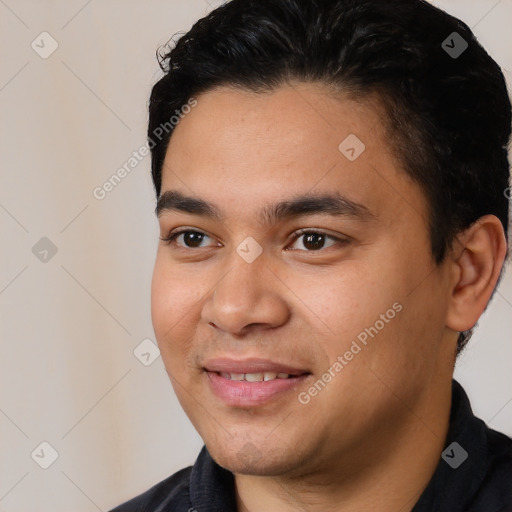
(250, 394)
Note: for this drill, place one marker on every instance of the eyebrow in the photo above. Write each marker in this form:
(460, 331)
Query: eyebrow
(333, 204)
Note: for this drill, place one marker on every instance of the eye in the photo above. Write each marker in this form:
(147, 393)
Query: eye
(191, 238)
(315, 240)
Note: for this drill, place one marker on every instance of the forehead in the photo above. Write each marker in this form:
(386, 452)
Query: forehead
(243, 148)
(281, 126)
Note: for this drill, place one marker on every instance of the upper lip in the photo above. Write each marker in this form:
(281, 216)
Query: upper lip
(253, 365)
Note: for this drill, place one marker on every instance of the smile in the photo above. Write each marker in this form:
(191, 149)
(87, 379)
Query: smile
(256, 377)
(253, 382)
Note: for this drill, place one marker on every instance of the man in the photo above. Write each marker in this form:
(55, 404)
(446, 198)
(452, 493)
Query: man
(333, 217)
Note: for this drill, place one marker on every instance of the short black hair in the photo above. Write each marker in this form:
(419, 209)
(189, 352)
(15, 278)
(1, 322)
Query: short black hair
(447, 107)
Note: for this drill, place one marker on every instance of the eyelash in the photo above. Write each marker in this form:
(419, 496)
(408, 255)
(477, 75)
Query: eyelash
(171, 238)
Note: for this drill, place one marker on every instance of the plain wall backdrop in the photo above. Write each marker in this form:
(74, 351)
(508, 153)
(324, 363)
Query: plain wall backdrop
(75, 270)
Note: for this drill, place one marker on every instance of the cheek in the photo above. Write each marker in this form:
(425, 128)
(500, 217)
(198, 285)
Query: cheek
(407, 290)
(383, 303)
(350, 300)
(174, 300)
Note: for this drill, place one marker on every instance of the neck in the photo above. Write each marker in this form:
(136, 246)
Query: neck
(388, 473)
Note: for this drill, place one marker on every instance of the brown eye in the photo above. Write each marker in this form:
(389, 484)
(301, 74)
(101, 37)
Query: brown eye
(315, 240)
(191, 239)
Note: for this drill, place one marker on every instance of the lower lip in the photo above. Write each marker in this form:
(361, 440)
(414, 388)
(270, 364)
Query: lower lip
(238, 393)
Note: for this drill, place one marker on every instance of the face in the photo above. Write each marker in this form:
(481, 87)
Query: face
(300, 257)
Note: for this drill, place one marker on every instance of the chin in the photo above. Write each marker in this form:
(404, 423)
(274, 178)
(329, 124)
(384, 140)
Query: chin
(249, 459)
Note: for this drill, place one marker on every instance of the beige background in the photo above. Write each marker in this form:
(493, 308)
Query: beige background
(69, 325)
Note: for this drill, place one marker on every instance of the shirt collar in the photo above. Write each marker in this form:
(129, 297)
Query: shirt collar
(212, 488)
(464, 462)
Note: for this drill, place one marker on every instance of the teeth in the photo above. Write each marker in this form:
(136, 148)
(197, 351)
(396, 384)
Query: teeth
(254, 377)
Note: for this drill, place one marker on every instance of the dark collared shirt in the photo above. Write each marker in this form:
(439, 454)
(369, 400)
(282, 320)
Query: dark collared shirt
(474, 474)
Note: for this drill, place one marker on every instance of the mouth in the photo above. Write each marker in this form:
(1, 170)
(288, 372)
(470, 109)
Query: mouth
(252, 382)
(256, 377)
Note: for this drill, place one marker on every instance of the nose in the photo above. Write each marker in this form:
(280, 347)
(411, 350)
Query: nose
(248, 296)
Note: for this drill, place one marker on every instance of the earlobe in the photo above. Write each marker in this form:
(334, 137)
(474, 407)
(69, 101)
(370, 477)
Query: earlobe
(477, 258)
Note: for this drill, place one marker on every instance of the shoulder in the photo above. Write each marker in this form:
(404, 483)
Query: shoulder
(203, 486)
(170, 494)
(495, 492)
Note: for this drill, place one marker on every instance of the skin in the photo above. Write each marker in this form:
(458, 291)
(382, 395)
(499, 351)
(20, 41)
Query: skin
(372, 437)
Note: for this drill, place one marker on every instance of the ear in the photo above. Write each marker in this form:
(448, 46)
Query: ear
(477, 257)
